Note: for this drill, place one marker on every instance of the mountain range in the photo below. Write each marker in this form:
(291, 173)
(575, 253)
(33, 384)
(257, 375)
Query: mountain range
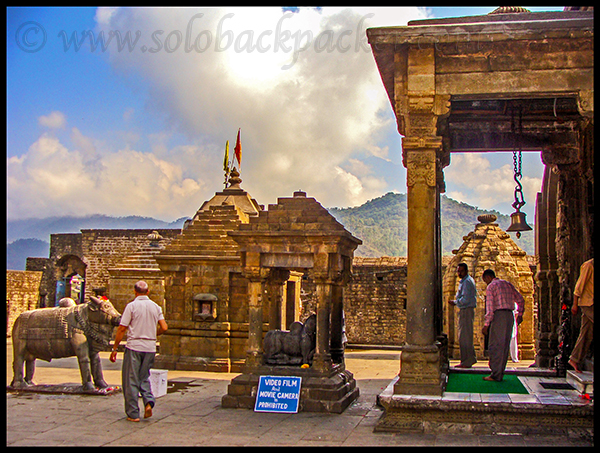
(380, 223)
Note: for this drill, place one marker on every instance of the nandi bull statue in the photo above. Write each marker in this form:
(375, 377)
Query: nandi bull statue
(50, 333)
(293, 347)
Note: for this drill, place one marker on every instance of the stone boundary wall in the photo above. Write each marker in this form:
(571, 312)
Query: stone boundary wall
(375, 301)
(99, 249)
(104, 249)
(22, 294)
(43, 265)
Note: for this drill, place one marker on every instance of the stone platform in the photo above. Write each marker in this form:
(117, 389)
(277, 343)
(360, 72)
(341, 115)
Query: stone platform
(69, 389)
(331, 393)
(190, 414)
(540, 411)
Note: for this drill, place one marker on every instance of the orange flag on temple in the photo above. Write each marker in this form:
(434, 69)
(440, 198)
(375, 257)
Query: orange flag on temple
(238, 149)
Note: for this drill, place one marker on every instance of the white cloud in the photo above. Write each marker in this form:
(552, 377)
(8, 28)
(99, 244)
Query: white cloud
(298, 124)
(306, 127)
(55, 120)
(53, 180)
(471, 178)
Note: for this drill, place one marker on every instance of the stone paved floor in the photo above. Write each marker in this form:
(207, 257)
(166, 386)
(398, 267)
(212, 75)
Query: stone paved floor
(192, 415)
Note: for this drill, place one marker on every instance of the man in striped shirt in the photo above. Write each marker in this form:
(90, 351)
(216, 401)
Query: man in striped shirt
(500, 300)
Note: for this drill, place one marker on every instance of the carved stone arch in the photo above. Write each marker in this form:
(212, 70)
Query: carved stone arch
(66, 267)
(69, 265)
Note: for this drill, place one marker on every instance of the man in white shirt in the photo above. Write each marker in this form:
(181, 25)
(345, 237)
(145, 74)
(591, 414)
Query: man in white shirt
(139, 320)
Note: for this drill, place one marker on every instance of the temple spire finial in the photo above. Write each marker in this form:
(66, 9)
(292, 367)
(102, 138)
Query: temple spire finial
(509, 10)
(234, 178)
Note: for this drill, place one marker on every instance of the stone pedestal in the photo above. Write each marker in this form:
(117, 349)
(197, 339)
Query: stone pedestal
(329, 392)
(423, 370)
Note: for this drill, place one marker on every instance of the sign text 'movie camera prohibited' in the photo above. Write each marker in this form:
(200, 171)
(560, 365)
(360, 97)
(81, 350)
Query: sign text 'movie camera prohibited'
(278, 394)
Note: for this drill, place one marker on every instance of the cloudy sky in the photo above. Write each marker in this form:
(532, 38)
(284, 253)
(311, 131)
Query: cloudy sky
(126, 111)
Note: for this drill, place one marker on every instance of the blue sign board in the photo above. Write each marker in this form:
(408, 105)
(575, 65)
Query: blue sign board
(278, 394)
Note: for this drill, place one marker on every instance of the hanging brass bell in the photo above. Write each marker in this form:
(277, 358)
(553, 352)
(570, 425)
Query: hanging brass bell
(518, 223)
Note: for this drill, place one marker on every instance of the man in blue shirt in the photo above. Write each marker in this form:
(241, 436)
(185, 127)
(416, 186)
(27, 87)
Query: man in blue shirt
(466, 300)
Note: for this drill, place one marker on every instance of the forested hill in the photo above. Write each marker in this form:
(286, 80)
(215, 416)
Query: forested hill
(381, 223)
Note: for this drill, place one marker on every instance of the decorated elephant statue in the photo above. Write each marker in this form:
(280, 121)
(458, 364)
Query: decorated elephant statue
(293, 347)
(50, 333)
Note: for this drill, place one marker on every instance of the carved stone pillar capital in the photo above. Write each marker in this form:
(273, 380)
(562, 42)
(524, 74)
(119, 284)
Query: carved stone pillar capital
(421, 143)
(422, 112)
(560, 154)
(585, 103)
(421, 167)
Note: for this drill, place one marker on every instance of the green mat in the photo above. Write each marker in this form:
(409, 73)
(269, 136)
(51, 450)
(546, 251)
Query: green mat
(474, 383)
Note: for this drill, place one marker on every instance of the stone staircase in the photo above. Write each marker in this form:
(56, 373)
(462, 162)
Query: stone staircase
(583, 382)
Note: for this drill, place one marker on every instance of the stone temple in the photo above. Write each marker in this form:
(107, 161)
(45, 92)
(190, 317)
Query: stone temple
(234, 273)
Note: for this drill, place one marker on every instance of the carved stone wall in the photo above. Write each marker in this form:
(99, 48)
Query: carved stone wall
(203, 265)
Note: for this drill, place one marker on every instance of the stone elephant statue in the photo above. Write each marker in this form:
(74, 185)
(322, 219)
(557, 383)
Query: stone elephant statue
(50, 333)
(293, 347)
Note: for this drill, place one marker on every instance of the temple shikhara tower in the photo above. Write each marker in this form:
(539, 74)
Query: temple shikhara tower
(207, 307)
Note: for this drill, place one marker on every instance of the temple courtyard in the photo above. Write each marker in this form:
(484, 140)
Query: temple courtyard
(190, 414)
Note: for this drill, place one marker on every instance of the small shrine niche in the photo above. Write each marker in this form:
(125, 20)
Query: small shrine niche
(206, 307)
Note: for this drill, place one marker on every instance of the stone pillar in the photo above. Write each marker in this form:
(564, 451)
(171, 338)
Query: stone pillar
(568, 243)
(337, 313)
(276, 287)
(568, 156)
(421, 246)
(418, 109)
(547, 300)
(420, 364)
(322, 360)
(255, 323)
